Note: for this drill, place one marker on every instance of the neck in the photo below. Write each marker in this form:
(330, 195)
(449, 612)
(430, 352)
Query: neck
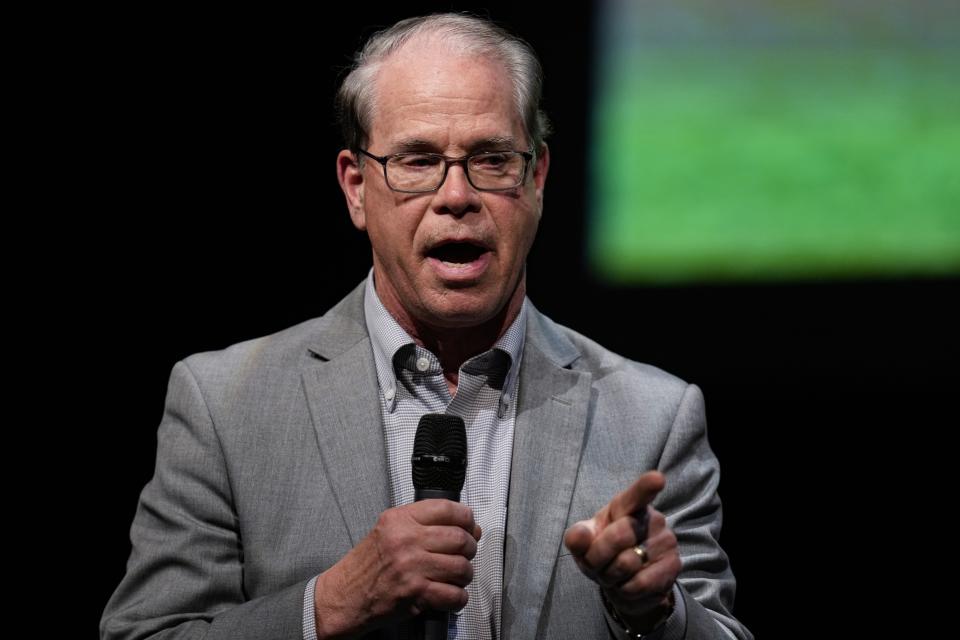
(455, 345)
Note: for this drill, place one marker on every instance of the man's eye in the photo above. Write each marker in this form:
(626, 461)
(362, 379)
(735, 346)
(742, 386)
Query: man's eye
(490, 160)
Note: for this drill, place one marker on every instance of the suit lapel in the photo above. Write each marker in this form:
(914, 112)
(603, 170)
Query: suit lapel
(553, 406)
(548, 437)
(342, 394)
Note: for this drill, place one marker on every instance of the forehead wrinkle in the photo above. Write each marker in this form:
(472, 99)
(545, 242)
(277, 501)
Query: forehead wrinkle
(421, 144)
(426, 107)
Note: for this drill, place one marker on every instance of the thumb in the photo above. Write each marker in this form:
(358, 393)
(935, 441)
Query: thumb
(579, 536)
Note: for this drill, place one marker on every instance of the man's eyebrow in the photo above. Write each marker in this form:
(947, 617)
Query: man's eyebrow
(412, 144)
(496, 143)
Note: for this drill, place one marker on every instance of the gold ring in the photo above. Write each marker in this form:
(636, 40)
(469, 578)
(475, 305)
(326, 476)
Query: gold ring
(641, 551)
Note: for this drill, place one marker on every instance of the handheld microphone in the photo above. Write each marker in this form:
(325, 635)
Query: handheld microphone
(439, 468)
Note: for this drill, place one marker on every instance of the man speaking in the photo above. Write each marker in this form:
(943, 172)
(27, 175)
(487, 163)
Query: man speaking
(282, 504)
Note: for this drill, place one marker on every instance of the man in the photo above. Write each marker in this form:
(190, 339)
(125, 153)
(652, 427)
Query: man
(282, 505)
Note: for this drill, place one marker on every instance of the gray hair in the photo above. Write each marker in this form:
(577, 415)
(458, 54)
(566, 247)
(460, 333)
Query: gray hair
(470, 34)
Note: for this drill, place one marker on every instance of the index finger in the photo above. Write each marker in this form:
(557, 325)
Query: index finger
(636, 497)
(445, 512)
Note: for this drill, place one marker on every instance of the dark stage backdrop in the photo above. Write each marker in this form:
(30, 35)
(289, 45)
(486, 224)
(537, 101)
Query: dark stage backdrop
(207, 146)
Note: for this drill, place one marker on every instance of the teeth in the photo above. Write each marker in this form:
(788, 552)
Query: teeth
(456, 265)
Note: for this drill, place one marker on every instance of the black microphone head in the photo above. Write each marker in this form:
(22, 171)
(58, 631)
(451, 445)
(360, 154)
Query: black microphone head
(440, 453)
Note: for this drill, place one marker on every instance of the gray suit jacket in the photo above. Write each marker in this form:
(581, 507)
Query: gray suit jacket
(271, 465)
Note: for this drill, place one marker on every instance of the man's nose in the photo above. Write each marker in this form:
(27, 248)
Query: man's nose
(456, 195)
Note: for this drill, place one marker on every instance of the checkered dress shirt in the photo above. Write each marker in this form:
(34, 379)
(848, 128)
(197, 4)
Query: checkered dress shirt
(411, 383)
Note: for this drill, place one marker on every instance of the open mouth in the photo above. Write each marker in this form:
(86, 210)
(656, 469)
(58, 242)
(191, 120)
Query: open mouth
(457, 253)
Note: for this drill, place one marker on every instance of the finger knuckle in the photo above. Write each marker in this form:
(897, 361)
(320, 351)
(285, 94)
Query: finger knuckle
(466, 517)
(629, 590)
(391, 526)
(657, 519)
(392, 515)
(675, 564)
(623, 536)
(413, 586)
(446, 597)
(671, 539)
(641, 583)
(466, 571)
(468, 546)
(621, 565)
(405, 563)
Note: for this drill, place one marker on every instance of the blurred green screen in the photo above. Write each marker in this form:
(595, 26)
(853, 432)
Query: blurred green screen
(762, 140)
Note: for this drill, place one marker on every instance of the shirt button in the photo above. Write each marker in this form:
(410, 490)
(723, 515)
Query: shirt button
(389, 393)
(423, 364)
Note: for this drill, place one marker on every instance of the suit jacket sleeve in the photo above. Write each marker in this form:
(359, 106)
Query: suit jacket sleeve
(693, 510)
(184, 577)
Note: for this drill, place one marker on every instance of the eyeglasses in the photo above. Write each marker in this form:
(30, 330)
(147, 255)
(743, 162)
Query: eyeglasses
(415, 172)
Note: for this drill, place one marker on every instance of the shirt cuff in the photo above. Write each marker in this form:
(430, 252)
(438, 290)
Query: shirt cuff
(676, 623)
(670, 629)
(309, 620)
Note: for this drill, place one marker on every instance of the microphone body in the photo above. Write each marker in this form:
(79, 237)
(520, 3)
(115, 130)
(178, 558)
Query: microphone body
(439, 469)
(434, 494)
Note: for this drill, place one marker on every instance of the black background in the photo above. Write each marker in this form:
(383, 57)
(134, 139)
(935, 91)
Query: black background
(204, 145)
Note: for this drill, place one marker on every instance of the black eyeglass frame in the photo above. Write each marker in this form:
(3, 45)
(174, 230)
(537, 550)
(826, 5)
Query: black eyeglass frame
(447, 161)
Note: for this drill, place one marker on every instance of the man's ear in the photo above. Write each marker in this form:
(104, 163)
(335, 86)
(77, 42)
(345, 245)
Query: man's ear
(350, 177)
(540, 170)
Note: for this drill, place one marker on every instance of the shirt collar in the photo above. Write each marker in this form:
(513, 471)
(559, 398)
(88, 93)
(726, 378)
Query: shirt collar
(387, 337)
